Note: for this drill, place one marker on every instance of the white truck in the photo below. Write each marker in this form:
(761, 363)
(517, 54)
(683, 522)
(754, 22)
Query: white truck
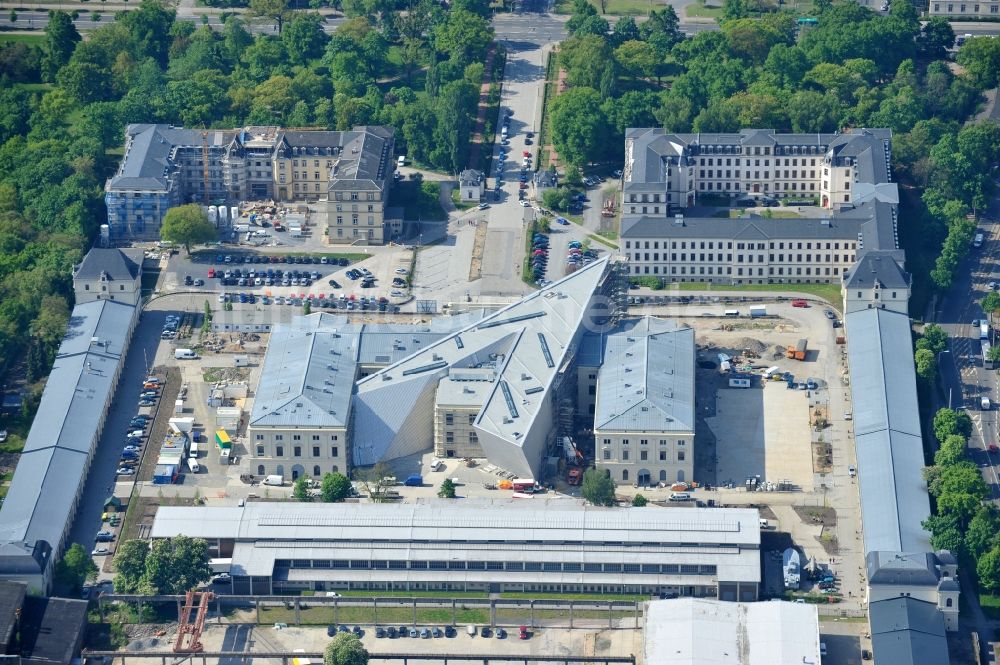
(984, 329)
(193, 465)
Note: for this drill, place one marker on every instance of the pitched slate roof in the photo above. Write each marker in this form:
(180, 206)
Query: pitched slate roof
(114, 264)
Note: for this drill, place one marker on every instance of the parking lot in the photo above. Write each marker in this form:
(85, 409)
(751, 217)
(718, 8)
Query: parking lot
(294, 278)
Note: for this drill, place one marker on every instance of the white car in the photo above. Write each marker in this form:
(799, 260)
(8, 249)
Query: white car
(396, 293)
(483, 206)
(402, 271)
(525, 204)
(101, 551)
(3, 435)
(125, 471)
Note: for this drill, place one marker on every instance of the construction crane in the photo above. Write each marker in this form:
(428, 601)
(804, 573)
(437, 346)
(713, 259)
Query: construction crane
(192, 630)
(204, 168)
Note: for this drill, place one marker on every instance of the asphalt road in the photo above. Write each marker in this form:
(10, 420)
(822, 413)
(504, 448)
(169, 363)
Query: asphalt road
(101, 477)
(963, 376)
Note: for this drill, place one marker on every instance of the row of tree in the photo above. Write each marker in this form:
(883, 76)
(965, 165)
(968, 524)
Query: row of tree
(164, 567)
(963, 523)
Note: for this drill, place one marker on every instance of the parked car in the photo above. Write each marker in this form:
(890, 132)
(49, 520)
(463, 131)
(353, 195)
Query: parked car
(522, 633)
(101, 551)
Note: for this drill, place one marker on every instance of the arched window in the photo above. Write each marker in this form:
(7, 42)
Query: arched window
(663, 475)
(624, 474)
(948, 602)
(260, 469)
(316, 470)
(335, 468)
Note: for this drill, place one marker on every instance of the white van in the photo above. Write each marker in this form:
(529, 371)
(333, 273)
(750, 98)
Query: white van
(680, 496)
(437, 465)
(276, 481)
(193, 465)
(185, 354)
(401, 161)
(732, 312)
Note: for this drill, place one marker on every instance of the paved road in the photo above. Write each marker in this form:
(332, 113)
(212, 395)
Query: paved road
(101, 478)
(963, 376)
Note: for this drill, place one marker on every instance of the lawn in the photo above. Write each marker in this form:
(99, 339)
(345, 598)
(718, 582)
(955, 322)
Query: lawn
(990, 604)
(616, 7)
(448, 595)
(368, 615)
(632, 598)
(38, 39)
(828, 292)
(699, 9)
(35, 87)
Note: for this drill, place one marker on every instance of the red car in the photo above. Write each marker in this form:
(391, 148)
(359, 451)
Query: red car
(799, 303)
(523, 633)
(211, 273)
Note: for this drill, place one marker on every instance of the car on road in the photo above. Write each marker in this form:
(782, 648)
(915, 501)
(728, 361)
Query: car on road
(525, 204)
(482, 206)
(396, 293)
(562, 220)
(799, 302)
(101, 551)
(401, 271)
(829, 314)
(105, 536)
(851, 471)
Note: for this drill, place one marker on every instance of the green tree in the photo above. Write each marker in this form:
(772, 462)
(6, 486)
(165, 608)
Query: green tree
(130, 565)
(934, 338)
(335, 488)
(187, 225)
(464, 37)
(61, 37)
(307, 307)
(75, 568)
(273, 10)
(936, 37)
(952, 450)
(988, 570)
(300, 491)
(994, 354)
(447, 490)
(946, 533)
(926, 364)
(949, 421)
(577, 121)
(598, 488)
(982, 532)
(980, 56)
(639, 501)
(304, 38)
(176, 565)
(345, 649)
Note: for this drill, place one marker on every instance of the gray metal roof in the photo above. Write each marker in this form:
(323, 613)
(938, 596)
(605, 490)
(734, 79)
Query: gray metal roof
(902, 568)
(495, 530)
(877, 267)
(113, 264)
(871, 224)
(529, 341)
(64, 432)
(311, 365)
(470, 178)
(646, 382)
(907, 631)
(894, 498)
(148, 159)
(705, 631)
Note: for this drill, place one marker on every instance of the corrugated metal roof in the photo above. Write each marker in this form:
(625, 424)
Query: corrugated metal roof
(498, 530)
(907, 631)
(894, 498)
(646, 382)
(311, 365)
(63, 435)
(702, 631)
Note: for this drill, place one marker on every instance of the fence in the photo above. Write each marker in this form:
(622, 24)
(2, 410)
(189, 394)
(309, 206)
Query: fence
(320, 610)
